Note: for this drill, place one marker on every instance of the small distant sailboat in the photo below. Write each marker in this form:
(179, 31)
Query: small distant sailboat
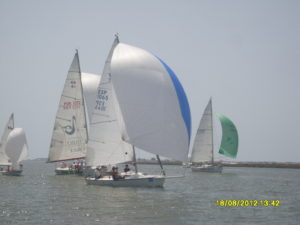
(69, 137)
(140, 103)
(202, 154)
(13, 149)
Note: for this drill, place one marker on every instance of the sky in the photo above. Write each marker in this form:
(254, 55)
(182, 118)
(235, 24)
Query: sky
(244, 54)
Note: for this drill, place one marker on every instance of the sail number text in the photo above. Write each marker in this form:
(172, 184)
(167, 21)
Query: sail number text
(102, 98)
(72, 105)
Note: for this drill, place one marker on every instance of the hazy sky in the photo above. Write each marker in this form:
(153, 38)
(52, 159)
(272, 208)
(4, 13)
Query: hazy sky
(245, 54)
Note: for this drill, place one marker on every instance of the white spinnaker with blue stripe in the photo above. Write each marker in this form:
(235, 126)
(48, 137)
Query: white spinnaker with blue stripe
(152, 101)
(140, 101)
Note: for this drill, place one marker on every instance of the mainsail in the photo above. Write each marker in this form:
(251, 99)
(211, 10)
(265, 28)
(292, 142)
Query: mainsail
(106, 145)
(16, 147)
(229, 143)
(203, 144)
(4, 159)
(69, 138)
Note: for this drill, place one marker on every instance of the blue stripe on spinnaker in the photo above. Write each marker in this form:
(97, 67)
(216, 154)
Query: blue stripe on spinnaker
(184, 104)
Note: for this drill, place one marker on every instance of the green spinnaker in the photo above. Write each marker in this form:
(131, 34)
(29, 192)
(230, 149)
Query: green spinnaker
(230, 139)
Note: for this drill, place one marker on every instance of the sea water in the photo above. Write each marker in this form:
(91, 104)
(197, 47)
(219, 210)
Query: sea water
(41, 197)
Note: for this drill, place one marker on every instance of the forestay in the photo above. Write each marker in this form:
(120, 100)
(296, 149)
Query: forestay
(69, 138)
(203, 144)
(4, 159)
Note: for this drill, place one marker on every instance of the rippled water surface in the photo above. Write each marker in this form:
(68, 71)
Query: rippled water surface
(40, 197)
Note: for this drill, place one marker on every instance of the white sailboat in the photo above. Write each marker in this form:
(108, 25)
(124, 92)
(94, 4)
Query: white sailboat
(13, 149)
(203, 150)
(202, 153)
(69, 137)
(140, 103)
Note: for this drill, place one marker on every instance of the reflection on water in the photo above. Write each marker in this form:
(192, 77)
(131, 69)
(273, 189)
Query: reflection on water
(40, 197)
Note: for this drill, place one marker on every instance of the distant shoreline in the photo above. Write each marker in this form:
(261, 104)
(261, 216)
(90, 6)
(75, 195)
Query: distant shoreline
(292, 165)
(263, 164)
(237, 164)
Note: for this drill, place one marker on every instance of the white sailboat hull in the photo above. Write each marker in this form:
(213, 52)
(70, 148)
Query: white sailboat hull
(66, 171)
(129, 181)
(207, 168)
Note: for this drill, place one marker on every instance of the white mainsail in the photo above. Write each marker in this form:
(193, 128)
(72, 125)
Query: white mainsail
(69, 138)
(203, 144)
(16, 147)
(106, 145)
(4, 159)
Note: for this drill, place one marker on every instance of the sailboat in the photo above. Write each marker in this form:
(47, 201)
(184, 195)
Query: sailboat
(140, 104)
(70, 134)
(202, 154)
(13, 149)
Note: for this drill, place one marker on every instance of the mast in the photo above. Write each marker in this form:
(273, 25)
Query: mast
(13, 121)
(83, 102)
(161, 166)
(134, 160)
(212, 133)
